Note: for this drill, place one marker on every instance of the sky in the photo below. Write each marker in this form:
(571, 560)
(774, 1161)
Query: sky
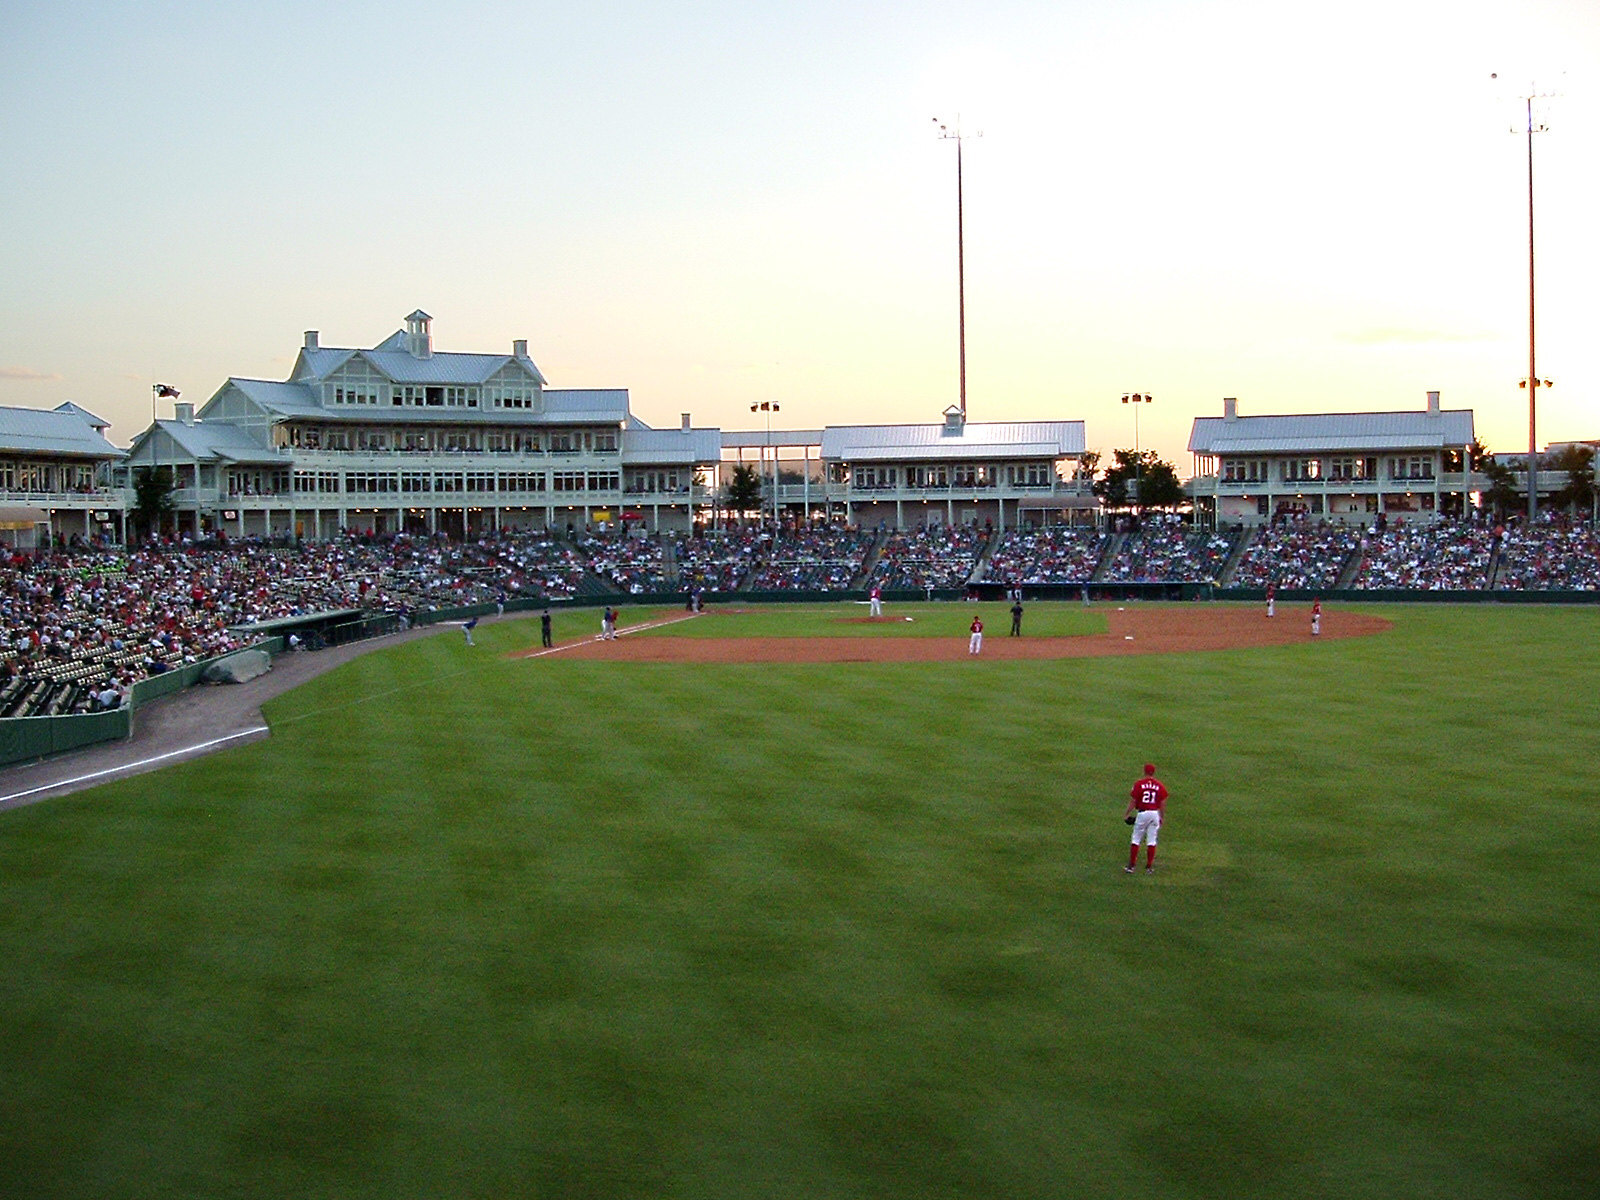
(1313, 208)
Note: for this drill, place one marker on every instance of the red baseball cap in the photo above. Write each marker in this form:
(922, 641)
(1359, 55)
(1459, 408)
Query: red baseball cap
(1149, 768)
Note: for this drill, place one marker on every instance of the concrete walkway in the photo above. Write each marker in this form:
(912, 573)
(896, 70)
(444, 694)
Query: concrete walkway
(187, 724)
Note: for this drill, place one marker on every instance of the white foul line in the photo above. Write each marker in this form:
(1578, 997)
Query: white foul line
(620, 633)
(128, 768)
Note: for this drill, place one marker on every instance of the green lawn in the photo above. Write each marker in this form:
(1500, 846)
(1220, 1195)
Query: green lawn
(472, 926)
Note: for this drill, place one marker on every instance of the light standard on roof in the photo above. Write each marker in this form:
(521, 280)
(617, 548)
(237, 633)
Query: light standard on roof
(769, 407)
(1136, 399)
(955, 135)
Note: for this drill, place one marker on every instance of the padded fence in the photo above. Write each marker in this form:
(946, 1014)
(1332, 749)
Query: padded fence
(26, 738)
(23, 739)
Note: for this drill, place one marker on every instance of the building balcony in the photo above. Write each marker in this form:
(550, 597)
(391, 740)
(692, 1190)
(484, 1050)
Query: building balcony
(93, 498)
(305, 458)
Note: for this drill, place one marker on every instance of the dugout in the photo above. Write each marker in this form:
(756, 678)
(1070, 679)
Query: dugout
(331, 627)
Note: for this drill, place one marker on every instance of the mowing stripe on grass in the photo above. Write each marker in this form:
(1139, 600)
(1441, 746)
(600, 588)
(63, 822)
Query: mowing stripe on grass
(434, 679)
(18, 798)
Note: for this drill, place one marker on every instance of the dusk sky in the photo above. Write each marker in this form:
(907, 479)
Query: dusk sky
(1310, 207)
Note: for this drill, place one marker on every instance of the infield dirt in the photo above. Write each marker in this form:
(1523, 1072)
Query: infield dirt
(1131, 630)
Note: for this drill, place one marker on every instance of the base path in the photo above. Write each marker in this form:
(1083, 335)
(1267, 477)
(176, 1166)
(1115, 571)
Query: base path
(1131, 630)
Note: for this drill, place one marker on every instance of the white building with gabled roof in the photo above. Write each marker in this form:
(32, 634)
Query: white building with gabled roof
(55, 476)
(1346, 467)
(401, 437)
(1004, 474)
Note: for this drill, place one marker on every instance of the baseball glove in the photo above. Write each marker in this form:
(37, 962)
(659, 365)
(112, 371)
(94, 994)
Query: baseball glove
(1128, 820)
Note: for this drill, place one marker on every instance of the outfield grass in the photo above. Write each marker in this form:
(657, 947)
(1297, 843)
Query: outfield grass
(467, 926)
(848, 619)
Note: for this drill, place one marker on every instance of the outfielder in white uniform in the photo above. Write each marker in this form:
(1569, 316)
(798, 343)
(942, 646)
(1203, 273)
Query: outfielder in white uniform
(975, 643)
(876, 596)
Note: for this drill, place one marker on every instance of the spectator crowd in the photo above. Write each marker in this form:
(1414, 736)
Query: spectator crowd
(95, 620)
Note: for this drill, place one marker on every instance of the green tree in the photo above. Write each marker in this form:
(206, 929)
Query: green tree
(152, 497)
(1141, 478)
(1502, 494)
(1158, 484)
(1088, 464)
(744, 489)
(1578, 493)
(1112, 486)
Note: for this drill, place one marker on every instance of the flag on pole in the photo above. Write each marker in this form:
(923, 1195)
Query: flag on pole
(165, 391)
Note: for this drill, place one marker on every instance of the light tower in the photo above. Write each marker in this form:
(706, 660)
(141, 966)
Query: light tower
(1532, 382)
(946, 133)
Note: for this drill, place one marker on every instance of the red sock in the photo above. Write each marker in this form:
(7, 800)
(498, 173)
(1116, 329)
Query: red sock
(1133, 855)
(1149, 856)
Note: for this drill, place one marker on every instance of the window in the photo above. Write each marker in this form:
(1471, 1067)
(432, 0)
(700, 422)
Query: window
(563, 443)
(521, 481)
(604, 481)
(416, 481)
(1244, 470)
(1297, 470)
(480, 481)
(567, 481)
(447, 481)
(371, 483)
(514, 394)
(1414, 467)
(606, 439)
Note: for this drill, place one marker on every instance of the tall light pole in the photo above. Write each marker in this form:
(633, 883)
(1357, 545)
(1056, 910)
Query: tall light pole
(1136, 399)
(1533, 383)
(769, 407)
(955, 135)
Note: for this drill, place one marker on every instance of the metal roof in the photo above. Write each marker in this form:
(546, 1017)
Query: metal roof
(400, 366)
(209, 441)
(99, 423)
(908, 443)
(741, 439)
(670, 446)
(1331, 432)
(58, 434)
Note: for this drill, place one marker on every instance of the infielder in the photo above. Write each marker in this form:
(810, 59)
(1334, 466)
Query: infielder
(876, 596)
(975, 643)
(467, 627)
(1147, 804)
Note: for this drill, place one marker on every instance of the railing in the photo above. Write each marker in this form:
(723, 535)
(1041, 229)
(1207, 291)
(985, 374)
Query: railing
(841, 492)
(214, 498)
(108, 497)
(308, 456)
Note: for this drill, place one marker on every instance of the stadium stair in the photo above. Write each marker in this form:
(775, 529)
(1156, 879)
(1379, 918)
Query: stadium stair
(1108, 556)
(1242, 542)
(1346, 578)
(980, 566)
(870, 560)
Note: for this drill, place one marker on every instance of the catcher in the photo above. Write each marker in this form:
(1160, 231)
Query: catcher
(1147, 804)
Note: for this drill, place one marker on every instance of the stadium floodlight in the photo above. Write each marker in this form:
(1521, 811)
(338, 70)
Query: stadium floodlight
(1532, 382)
(769, 407)
(1136, 399)
(947, 133)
